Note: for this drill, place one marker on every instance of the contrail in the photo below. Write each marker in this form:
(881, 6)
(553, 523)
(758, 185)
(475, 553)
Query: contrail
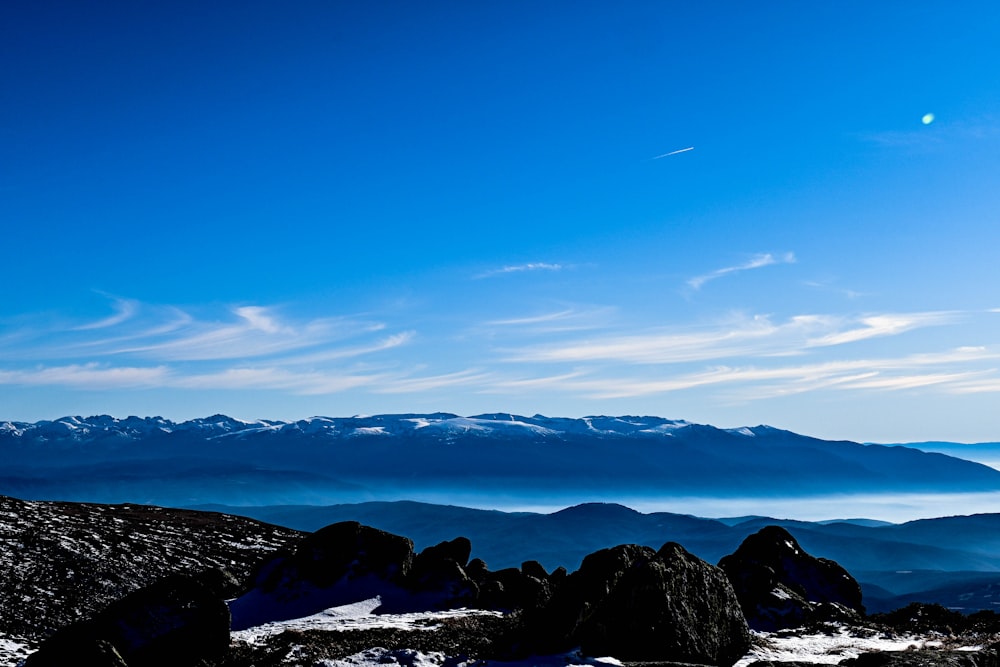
(682, 150)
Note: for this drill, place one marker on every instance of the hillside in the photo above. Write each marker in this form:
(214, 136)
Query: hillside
(60, 562)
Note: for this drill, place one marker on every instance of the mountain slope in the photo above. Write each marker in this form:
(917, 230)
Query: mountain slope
(322, 460)
(63, 561)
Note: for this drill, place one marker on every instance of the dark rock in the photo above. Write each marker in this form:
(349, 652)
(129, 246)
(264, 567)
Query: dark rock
(74, 559)
(936, 658)
(919, 618)
(347, 549)
(76, 650)
(438, 579)
(174, 622)
(511, 589)
(779, 585)
(533, 568)
(641, 605)
(477, 569)
(458, 550)
(339, 564)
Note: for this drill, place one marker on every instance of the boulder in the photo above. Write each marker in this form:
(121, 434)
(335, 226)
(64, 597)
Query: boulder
(347, 562)
(779, 585)
(512, 589)
(339, 564)
(643, 605)
(177, 621)
(438, 579)
(457, 550)
(75, 649)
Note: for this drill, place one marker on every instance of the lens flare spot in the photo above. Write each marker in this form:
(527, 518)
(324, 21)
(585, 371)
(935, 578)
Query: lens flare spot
(927, 119)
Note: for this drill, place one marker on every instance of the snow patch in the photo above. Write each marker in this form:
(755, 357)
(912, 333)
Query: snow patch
(828, 648)
(664, 428)
(380, 657)
(370, 430)
(356, 616)
(13, 650)
(781, 594)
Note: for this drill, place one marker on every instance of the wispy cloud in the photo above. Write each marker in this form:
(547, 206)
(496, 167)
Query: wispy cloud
(757, 336)
(409, 385)
(576, 352)
(125, 309)
(347, 352)
(829, 287)
(872, 374)
(88, 376)
(565, 320)
(884, 325)
(520, 268)
(251, 331)
(756, 262)
(242, 347)
(272, 378)
(676, 152)
(662, 347)
(535, 319)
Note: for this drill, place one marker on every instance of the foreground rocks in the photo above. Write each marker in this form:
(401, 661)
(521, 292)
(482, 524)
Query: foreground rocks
(175, 622)
(633, 602)
(989, 657)
(779, 585)
(638, 604)
(629, 601)
(63, 562)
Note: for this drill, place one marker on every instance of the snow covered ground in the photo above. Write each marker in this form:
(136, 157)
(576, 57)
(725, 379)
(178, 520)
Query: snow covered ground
(831, 647)
(356, 616)
(360, 616)
(12, 651)
(380, 657)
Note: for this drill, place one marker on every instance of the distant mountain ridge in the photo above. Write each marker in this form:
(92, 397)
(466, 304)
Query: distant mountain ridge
(949, 560)
(324, 460)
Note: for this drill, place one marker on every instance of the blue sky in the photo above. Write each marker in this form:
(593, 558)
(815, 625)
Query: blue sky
(278, 210)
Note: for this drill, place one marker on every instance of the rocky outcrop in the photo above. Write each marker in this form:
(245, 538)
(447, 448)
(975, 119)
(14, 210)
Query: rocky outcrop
(643, 605)
(70, 560)
(438, 578)
(779, 585)
(988, 657)
(339, 564)
(347, 562)
(175, 622)
(630, 601)
(511, 589)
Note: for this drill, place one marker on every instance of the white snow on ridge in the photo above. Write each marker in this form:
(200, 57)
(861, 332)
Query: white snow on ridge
(380, 657)
(370, 430)
(356, 616)
(830, 648)
(479, 424)
(665, 428)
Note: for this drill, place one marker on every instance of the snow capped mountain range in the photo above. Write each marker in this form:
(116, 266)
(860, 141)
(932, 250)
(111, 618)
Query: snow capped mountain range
(359, 425)
(324, 460)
